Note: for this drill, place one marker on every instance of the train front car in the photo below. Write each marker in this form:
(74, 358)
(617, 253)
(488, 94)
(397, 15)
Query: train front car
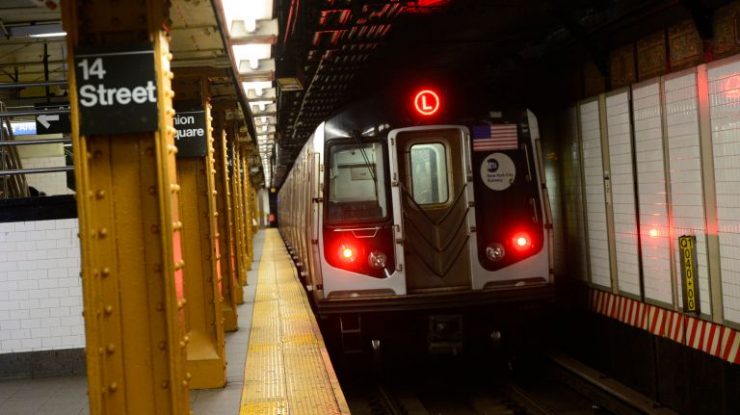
(428, 212)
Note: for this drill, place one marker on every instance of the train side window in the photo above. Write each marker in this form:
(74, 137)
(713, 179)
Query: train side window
(428, 171)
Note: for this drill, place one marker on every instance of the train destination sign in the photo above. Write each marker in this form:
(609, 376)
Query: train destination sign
(116, 92)
(190, 133)
(690, 281)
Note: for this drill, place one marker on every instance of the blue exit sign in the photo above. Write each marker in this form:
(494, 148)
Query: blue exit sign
(23, 128)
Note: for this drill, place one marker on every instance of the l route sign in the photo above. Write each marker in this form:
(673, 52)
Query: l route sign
(116, 91)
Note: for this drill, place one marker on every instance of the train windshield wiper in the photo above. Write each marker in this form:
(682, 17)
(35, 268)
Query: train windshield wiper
(360, 145)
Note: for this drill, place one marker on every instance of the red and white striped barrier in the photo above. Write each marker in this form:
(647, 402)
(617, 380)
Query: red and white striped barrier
(714, 339)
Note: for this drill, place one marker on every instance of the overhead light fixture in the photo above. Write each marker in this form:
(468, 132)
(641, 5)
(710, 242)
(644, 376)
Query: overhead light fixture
(249, 57)
(42, 30)
(256, 87)
(256, 95)
(254, 31)
(265, 120)
(244, 17)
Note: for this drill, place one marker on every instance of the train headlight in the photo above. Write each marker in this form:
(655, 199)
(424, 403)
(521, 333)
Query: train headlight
(347, 253)
(495, 251)
(377, 259)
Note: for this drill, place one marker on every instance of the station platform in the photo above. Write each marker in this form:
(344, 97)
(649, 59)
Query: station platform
(277, 360)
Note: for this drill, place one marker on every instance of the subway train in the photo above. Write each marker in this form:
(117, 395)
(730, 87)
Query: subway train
(419, 200)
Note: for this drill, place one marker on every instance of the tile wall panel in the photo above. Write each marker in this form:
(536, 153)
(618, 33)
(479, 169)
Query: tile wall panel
(598, 243)
(655, 233)
(623, 192)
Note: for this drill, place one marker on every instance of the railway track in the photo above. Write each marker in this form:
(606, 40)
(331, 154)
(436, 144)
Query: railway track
(561, 385)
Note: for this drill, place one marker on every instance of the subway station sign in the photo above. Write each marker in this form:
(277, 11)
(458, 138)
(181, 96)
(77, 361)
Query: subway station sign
(689, 278)
(190, 133)
(116, 92)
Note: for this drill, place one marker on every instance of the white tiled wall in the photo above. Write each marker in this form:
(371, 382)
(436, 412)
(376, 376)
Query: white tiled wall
(598, 243)
(687, 193)
(724, 101)
(623, 191)
(49, 183)
(40, 287)
(655, 230)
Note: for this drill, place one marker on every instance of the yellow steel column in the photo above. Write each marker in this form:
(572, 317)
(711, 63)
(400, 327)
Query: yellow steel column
(228, 144)
(247, 206)
(243, 178)
(129, 229)
(229, 285)
(241, 261)
(203, 315)
(234, 222)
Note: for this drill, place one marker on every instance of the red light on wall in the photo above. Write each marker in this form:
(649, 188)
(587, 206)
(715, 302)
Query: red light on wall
(426, 102)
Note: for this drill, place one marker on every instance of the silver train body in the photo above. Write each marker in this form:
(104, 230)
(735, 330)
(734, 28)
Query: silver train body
(382, 216)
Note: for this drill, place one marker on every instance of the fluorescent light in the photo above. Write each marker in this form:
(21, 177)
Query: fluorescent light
(52, 34)
(257, 86)
(248, 12)
(261, 105)
(37, 30)
(251, 53)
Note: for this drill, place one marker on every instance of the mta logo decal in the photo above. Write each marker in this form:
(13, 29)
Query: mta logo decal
(492, 165)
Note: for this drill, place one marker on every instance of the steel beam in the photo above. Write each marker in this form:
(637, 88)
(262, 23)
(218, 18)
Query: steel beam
(228, 281)
(130, 230)
(206, 359)
(241, 262)
(230, 169)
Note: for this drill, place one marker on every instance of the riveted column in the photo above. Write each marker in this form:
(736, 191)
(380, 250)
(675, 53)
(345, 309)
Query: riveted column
(247, 207)
(229, 284)
(252, 215)
(203, 314)
(127, 197)
(241, 261)
(236, 208)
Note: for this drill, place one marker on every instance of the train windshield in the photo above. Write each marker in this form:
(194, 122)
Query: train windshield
(356, 179)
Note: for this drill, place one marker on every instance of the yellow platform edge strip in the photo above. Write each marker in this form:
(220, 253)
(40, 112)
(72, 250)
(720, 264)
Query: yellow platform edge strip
(288, 370)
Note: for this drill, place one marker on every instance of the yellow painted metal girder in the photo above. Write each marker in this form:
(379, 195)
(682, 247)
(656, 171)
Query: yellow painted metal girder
(228, 281)
(238, 215)
(206, 359)
(231, 212)
(288, 370)
(127, 198)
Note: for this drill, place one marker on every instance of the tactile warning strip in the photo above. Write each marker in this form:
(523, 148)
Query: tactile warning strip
(288, 370)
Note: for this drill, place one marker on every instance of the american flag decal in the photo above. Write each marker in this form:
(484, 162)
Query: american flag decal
(495, 137)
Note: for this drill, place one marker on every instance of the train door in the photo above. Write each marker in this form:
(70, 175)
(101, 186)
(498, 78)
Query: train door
(429, 179)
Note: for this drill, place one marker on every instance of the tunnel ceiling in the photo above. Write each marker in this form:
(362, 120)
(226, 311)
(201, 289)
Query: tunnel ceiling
(342, 49)
(332, 51)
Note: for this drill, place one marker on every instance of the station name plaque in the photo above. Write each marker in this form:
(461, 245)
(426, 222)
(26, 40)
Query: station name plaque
(190, 133)
(116, 92)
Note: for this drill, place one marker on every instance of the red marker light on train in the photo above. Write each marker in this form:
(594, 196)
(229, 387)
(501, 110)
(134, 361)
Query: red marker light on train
(426, 102)
(347, 253)
(522, 241)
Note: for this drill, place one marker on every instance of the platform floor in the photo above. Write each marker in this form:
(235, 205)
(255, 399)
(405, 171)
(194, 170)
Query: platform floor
(288, 369)
(277, 361)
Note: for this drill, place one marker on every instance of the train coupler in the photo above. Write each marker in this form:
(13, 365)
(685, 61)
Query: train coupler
(445, 334)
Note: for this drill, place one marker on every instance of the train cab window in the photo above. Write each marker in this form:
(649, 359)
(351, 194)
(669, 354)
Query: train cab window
(428, 171)
(356, 183)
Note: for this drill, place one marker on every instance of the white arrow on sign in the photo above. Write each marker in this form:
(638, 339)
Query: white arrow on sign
(44, 119)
